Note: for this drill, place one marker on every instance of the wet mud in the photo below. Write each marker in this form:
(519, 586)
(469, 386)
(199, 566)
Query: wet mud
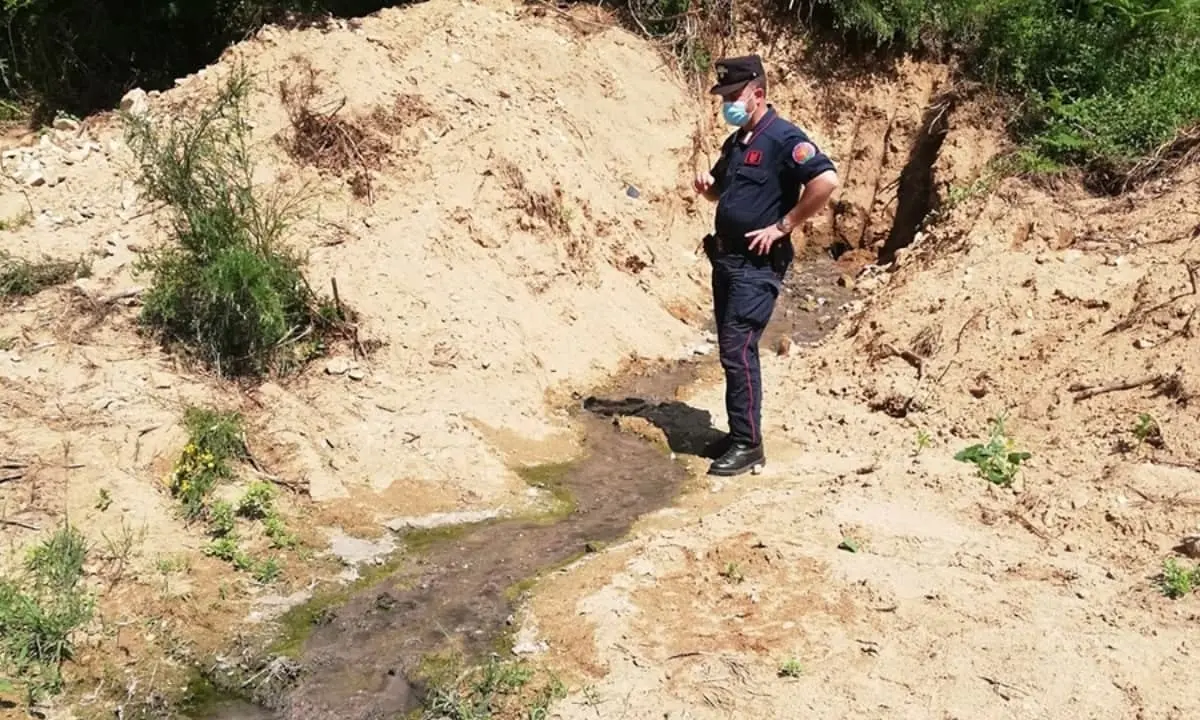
(458, 588)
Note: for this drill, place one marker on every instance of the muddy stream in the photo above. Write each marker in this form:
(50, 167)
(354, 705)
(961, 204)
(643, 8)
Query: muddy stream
(357, 655)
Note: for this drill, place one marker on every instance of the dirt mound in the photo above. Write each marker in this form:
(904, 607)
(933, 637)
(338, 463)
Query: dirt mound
(874, 570)
(508, 233)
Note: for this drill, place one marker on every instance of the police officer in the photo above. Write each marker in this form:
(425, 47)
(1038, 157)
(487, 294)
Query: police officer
(769, 178)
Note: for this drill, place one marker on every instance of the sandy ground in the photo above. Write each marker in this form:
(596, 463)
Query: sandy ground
(963, 600)
(482, 308)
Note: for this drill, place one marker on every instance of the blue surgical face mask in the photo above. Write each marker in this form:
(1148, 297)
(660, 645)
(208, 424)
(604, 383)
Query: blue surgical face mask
(735, 113)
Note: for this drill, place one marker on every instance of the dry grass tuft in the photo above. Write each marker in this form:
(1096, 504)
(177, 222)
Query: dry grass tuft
(320, 138)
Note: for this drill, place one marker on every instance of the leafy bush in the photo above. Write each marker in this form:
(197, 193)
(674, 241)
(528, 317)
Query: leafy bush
(228, 290)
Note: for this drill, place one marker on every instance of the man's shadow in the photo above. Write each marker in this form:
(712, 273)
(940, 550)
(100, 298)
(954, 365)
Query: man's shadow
(688, 430)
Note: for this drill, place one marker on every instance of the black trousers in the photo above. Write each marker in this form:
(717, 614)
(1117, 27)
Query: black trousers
(745, 290)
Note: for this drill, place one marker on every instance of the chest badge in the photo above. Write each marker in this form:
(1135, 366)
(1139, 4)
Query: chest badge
(754, 158)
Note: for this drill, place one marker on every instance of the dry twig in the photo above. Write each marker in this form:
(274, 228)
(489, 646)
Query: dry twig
(1138, 314)
(907, 356)
(1083, 392)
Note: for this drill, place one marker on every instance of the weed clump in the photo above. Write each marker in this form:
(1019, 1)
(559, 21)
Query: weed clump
(1178, 581)
(216, 441)
(19, 277)
(226, 289)
(40, 612)
(997, 460)
(493, 690)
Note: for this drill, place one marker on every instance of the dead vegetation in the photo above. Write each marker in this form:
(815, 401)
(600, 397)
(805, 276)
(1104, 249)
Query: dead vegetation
(547, 207)
(20, 278)
(1180, 151)
(320, 137)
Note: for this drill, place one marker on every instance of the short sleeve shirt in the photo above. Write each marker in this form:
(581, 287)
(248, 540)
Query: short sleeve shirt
(760, 180)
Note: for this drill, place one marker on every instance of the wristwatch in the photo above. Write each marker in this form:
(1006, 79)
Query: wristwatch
(781, 224)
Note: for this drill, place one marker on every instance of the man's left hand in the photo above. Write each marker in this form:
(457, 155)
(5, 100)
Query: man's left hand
(762, 240)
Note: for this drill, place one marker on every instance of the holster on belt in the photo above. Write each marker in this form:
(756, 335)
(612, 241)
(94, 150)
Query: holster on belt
(781, 255)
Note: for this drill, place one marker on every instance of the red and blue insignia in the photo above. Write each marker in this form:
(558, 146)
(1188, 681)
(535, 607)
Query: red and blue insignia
(754, 157)
(803, 152)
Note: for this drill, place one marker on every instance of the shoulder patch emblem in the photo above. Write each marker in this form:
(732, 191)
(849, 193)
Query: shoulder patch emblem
(803, 152)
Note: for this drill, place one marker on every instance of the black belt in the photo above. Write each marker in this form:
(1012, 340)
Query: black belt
(779, 256)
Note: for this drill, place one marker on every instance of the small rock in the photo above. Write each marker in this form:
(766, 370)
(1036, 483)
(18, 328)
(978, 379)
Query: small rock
(1143, 344)
(76, 156)
(846, 281)
(337, 366)
(632, 192)
(784, 346)
(356, 374)
(529, 647)
(35, 178)
(66, 124)
(135, 102)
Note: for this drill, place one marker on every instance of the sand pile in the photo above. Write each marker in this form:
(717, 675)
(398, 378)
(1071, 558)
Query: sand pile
(503, 229)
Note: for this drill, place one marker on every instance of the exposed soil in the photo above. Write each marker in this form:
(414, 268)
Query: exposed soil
(456, 589)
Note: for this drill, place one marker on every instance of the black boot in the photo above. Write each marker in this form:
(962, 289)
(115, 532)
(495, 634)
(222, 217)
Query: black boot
(740, 458)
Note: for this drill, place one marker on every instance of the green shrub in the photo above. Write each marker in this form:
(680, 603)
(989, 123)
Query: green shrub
(227, 290)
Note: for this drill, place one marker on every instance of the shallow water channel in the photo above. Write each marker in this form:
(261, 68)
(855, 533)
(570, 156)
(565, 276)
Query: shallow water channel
(357, 657)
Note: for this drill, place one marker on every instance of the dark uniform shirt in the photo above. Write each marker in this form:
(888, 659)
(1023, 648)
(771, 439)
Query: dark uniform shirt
(760, 181)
